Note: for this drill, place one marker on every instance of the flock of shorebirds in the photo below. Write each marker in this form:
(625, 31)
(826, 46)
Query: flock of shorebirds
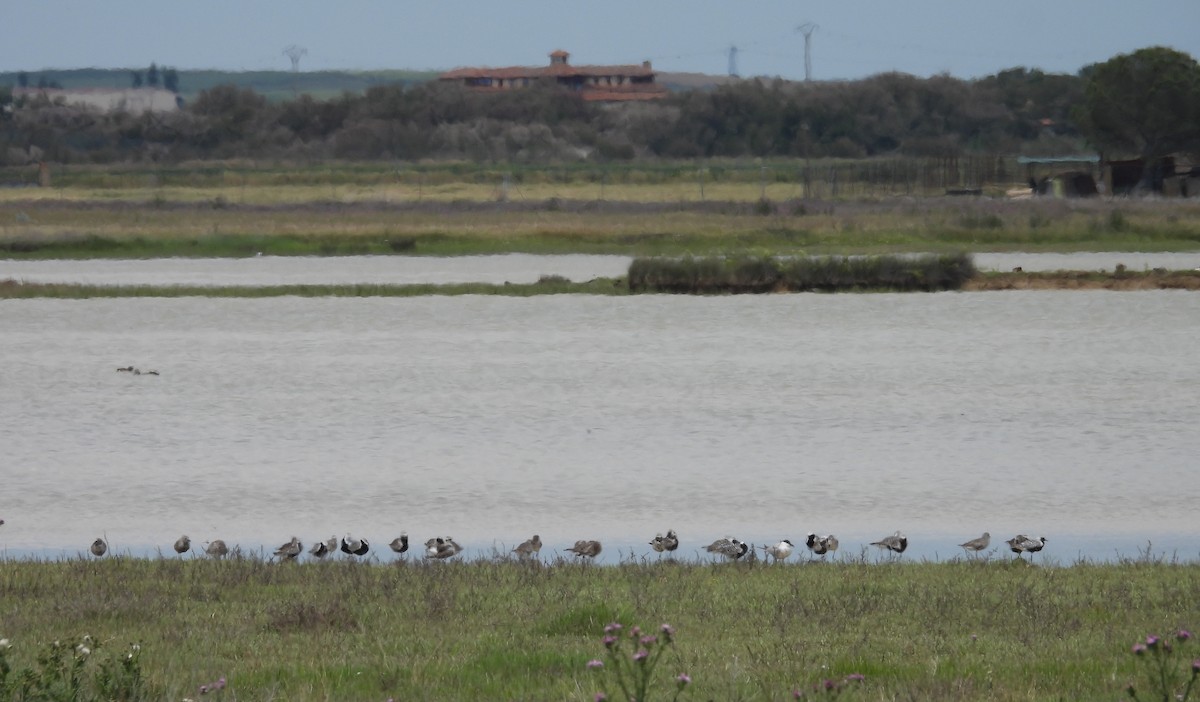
(444, 547)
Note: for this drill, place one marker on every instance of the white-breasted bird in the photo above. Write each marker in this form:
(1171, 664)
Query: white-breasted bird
(320, 549)
(779, 551)
(442, 548)
(896, 543)
(821, 545)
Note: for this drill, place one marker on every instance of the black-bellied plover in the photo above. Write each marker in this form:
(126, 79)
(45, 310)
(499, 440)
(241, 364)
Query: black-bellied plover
(400, 543)
(290, 550)
(895, 543)
(99, 548)
(182, 545)
(731, 549)
(585, 548)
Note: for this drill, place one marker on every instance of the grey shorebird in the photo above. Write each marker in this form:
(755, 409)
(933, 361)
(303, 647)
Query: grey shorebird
(400, 543)
(320, 549)
(216, 549)
(290, 550)
(182, 545)
(821, 545)
(1023, 544)
(731, 549)
(529, 547)
(442, 548)
(977, 545)
(355, 547)
(896, 543)
(585, 548)
(99, 547)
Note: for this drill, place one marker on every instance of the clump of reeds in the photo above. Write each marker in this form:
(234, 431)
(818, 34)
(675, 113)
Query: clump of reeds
(762, 274)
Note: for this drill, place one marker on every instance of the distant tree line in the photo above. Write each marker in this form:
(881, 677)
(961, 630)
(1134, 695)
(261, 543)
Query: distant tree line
(1014, 111)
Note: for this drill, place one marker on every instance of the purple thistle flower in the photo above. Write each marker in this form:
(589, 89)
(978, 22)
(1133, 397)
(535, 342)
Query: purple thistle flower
(641, 656)
(1196, 666)
(683, 679)
(668, 632)
(648, 640)
(1183, 635)
(1139, 649)
(797, 694)
(600, 697)
(204, 689)
(855, 677)
(829, 685)
(612, 628)
(220, 684)
(610, 641)
(1151, 641)
(635, 632)
(594, 664)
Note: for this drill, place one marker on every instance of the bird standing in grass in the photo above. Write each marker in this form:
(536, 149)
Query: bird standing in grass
(529, 547)
(400, 543)
(731, 549)
(896, 543)
(99, 548)
(442, 548)
(216, 549)
(290, 550)
(182, 545)
(355, 547)
(1023, 544)
(670, 542)
(320, 549)
(821, 545)
(779, 551)
(586, 549)
(976, 545)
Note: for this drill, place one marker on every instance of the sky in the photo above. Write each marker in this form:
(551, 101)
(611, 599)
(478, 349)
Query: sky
(852, 38)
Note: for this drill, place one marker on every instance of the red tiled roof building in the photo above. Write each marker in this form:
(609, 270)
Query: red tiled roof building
(594, 83)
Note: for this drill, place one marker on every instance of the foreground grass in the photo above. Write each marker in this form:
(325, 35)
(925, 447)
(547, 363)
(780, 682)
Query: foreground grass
(494, 629)
(46, 229)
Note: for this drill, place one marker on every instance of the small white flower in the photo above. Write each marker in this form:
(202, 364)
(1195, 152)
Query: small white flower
(5, 644)
(82, 650)
(136, 647)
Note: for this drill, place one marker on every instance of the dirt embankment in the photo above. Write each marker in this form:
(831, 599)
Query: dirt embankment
(1086, 280)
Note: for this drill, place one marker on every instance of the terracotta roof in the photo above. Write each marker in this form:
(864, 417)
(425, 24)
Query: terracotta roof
(558, 70)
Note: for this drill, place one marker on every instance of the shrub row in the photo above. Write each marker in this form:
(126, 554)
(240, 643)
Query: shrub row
(720, 275)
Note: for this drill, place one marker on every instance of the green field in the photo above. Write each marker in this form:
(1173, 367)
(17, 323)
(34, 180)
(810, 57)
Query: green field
(500, 629)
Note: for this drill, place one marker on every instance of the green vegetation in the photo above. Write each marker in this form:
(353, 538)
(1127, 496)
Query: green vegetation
(763, 274)
(498, 629)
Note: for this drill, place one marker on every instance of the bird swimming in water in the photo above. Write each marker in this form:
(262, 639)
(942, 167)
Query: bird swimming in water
(729, 548)
(99, 548)
(290, 550)
(586, 549)
(182, 545)
(779, 551)
(895, 543)
(216, 549)
(529, 547)
(977, 545)
(400, 543)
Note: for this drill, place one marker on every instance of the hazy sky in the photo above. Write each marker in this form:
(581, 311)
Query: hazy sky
(855, 38)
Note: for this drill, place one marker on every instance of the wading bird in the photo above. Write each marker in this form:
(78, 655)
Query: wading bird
(895, 543)
(216, 549)
(821, 545)
(320, 549)
(355, 547)
(182, 545)
(977, 545)
(586, 549)
(1023, 544)
(99, 548)
(729, 548)
(529, 547)
(779, 551)
(657, 543)
(400, 543)
(290, 550)
(443, 548)
(670, 542)
(126, 369)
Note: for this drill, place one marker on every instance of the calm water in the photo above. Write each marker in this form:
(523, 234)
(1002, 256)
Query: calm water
(514, 268)
(1072, 415)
